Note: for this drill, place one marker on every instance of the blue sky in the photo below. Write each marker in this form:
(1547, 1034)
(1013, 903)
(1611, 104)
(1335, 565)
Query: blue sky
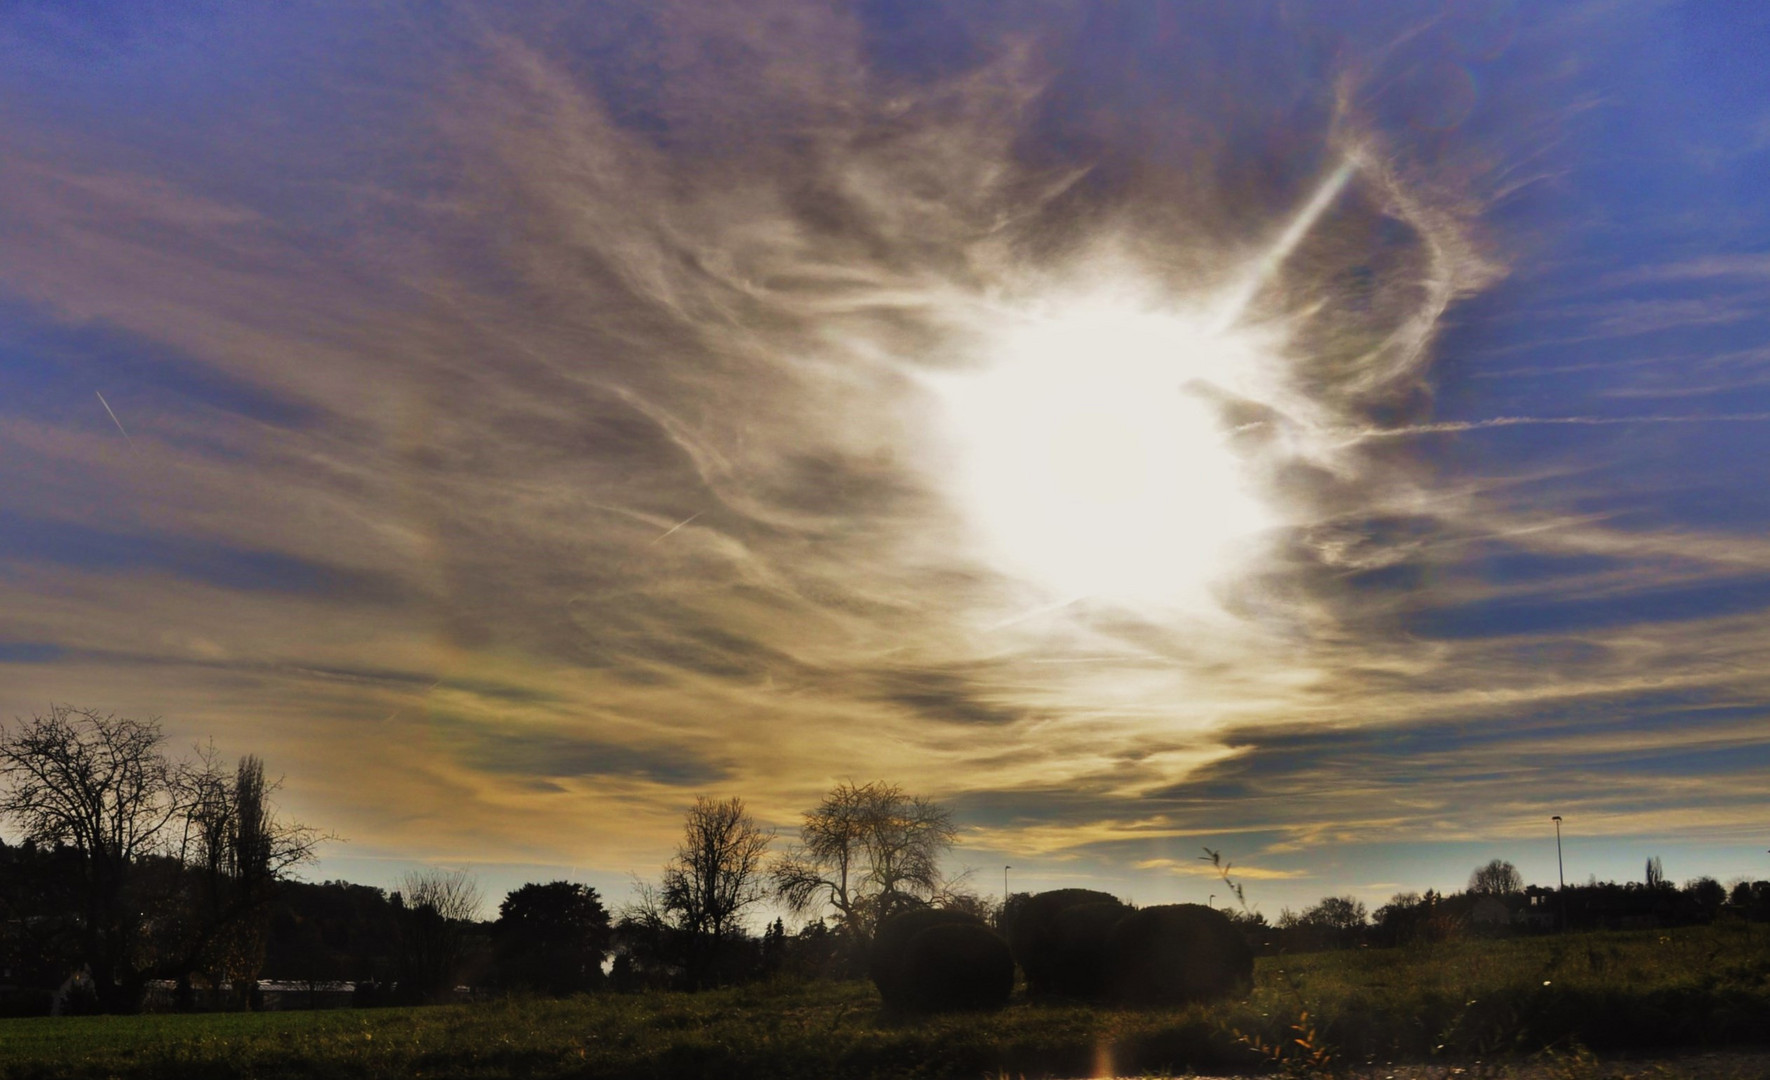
(1333, 434)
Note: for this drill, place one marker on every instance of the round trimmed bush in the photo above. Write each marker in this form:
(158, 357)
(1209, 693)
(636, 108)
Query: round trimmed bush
(1176, 953)
(934, 960)
(1034, 938)
(957, 966)
(1076, 941)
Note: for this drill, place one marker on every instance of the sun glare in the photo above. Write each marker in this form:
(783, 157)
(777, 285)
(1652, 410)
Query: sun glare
(1089, 463)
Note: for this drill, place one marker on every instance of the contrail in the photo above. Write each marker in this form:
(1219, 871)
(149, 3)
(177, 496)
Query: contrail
(114, 420)
(1263, 268)
(1518, 421)
(678, 525)
(1033, 614)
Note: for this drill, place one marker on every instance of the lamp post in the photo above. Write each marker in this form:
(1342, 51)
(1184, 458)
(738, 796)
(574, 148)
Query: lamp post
(1560, 873)
(1212, 902)
(1005, 870)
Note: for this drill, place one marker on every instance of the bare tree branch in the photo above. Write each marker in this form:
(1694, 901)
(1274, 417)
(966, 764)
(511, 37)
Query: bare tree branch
(865, 851)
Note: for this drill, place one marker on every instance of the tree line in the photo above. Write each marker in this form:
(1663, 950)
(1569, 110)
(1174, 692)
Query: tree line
(135, 865)
(864, 853)
(1498, 903)
(138, 869)
(141, 871)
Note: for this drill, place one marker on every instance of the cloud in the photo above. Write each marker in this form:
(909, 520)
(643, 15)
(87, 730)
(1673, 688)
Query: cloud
(1250, 873)
(544, 405)
(943, 695)
(557, 755)
(1746, 266)
(66, 543)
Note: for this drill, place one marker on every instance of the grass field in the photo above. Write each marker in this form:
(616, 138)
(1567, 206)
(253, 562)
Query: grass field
(1652, 991)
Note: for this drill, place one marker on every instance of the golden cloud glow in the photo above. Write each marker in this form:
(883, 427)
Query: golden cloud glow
(1238, 871)
(649, 426)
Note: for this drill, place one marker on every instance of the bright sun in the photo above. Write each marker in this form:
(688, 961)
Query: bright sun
(1088, 466)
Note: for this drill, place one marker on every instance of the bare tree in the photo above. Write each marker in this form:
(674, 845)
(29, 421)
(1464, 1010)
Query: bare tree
(1497, 878)
(866, 851)
(177, 859)
(101, 785)
(238, 849)
(716, 874)
(438, 908)
(1656, 873)
(452, 894)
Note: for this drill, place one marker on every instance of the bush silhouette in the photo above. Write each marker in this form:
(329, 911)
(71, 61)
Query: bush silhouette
(959, 966)
(1177, 953)
(936, 960)
(1032, 935)
(1076, 948)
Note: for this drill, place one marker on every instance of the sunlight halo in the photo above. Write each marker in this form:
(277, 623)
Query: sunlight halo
(1087, 460)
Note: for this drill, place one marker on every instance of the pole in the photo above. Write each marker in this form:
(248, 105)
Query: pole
(1005, 870)
(1560, 873)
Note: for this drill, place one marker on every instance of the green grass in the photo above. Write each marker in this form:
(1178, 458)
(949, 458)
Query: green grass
(1640, 991)
(1459, 1001)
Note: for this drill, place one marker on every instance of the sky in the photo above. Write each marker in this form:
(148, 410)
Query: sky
(1332, 434)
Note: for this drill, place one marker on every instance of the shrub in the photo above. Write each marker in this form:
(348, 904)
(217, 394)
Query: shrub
(1076, 948)
(1177, 953)
(959, 966)
(888, 963)
(936, 960)
(1031, 933)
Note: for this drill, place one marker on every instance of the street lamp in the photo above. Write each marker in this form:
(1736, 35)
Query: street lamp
(1005, 870)
(1212, 902)
(1560, 872)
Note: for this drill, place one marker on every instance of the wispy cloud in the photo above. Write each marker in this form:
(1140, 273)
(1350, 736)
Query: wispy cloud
(1449, 426)
(1195, 869)
(547, 406)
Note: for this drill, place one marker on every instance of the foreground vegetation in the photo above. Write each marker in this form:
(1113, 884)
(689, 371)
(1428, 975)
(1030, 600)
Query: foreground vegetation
(1455, 1001)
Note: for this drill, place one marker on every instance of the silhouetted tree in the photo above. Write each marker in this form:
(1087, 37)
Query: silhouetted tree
(866, 851)
(334, 931)
(650, 948)
(1343, 913)
(774, 947)
(237, 851)
(552, 938)
(1400, 920)
(101, 785)
(40, 928)
(1704, 897)
(1333, 921)
(437, 909)
(1656, 873)
(175, 861)
(715, 875)
(1750, 899)
(817, 952)
(1497, 878)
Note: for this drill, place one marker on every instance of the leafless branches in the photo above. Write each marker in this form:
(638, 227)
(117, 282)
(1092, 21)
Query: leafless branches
(717, 869)
(94, 782)
(182, 849)
(454, 895)
(438, 906)
(866, 851)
